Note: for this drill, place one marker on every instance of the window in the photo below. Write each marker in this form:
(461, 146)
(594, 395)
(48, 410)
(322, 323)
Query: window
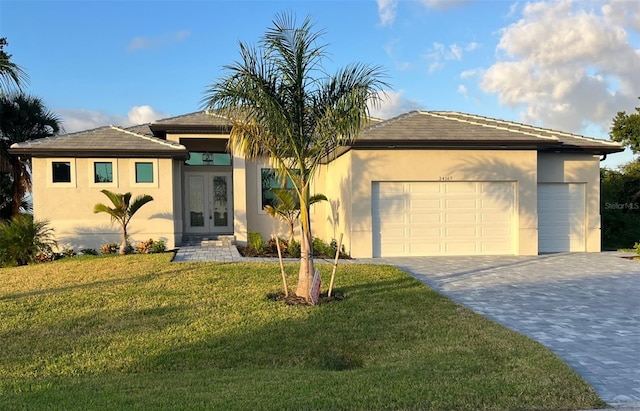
(198, 158)
(144, 172)
(103, 172)
(269, 180)
(61, 171)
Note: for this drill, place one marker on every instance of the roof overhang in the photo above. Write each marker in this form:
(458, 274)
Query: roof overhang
(86, 153)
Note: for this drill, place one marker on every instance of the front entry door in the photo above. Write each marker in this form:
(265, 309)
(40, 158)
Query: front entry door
(208, 207)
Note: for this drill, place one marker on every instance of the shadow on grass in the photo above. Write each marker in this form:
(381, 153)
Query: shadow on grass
(391, 341)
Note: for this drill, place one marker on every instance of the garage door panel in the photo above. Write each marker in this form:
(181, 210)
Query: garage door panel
(494, 218)
(462, 232)
(489, 247)
(460, 187)
(461, 217)
(424, 232)
(427, 218)
(495, 231)
(464, 203)
(444, 218)
(461, 248)
(492, 204)
(561, 217)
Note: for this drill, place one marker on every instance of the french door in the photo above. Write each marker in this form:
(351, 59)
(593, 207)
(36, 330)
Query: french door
(208, 203)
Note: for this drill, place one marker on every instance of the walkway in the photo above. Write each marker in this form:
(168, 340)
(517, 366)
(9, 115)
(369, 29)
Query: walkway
(583, 306)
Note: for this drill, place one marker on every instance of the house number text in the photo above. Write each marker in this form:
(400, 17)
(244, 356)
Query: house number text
(446, 178)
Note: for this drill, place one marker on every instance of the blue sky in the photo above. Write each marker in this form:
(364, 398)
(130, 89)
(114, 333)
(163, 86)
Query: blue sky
(568, 65)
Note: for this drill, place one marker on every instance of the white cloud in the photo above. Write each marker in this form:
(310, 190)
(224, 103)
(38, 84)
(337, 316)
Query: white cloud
(387, 11)
(625, 13)
(472, 46)
(393, 104)
(143, 114)
(568, 66)
(79, 119)
(462, 90)
(142, 42)
(467, 74)
(439, 54)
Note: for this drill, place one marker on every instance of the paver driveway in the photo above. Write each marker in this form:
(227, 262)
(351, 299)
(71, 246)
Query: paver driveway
(583, 306)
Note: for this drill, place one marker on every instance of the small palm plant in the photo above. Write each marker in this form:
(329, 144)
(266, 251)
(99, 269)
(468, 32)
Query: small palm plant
(122, 211)
(23, 238)
(287, 207)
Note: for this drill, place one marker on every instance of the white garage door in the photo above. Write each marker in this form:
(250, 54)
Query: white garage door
(442, 218)
(561, 217)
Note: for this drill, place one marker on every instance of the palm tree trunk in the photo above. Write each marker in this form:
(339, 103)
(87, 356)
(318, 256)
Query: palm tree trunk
(305, 275)
(123, 244)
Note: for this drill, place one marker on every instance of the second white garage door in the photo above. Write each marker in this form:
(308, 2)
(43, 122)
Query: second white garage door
(442, 218)
(561, 217)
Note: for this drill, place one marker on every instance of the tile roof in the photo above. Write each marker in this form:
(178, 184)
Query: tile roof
(440, 128)
(415, 129)
(447, 128)
(197, 120)
(103, 141)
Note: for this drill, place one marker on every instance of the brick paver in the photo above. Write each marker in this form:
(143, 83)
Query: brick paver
(585, 307)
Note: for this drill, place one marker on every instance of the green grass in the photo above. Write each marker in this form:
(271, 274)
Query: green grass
(140, 332)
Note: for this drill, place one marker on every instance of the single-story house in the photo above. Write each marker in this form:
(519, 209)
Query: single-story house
(421, 184)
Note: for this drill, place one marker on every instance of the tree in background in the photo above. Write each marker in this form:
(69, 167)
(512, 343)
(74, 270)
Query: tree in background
(284, 106)
(122, 211)
(626, 130)
(11, 75)
(620, 189)
(23, 117)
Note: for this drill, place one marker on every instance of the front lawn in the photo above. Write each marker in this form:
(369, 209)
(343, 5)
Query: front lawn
(140, 332)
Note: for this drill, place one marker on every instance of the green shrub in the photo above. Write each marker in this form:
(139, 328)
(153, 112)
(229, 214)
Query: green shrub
(89, 251)
(294, 249)
(256, 242)
(636, 248)
(158, 246)
(22, 239)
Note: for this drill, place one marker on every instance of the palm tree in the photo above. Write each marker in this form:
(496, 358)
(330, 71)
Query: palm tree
(23, 118)
(11, 75)
(122, 211)
(287, 207)
(23, 238)
(284, 106)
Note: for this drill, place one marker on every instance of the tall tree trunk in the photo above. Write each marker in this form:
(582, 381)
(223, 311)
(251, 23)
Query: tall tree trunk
(305, 275)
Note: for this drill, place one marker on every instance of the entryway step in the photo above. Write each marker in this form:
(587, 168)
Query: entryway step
(216, 241)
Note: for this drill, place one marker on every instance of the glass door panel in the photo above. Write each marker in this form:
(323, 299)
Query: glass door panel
(196, 206)
(220, 208)
(208, 205)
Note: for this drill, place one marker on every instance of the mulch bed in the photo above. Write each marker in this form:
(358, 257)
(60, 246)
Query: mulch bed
(293, 299)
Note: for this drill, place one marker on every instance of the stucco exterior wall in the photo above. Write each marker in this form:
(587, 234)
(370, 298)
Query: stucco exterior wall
(259, 221)
(368, 166)
(577, 168)
(338, 191)
(69, 206)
